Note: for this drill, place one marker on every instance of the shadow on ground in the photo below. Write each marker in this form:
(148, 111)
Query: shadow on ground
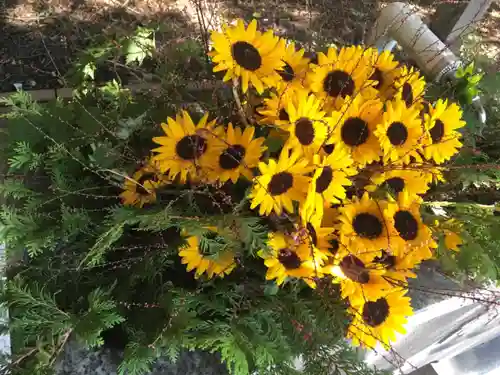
(40, 41)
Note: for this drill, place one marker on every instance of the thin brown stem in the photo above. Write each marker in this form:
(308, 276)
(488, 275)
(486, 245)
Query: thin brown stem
(238, 102)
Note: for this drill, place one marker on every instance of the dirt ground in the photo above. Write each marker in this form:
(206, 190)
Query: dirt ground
(40, 39)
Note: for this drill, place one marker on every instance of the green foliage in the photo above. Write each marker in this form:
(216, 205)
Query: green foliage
(140, 45)
(24, 157)
(85, 265)
(468, 83)
(101, 315)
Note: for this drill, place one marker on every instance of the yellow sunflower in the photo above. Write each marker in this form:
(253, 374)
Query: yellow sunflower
(379, 319)
(141, 188)
(342, 74)
(194, 258)
(184, 149)
(397, 267)
(451, 229)
(414, 181)
(409, 86)
(328, 182)
(294, 72)
(442, 123)
(452, 240)
(353, 129)
(236, 155)
(364, 227)
(274, 110)
(247, 53)
(308, 125)
(357, 279)
(384, 72)
(414, 237)
(288, 257)
(400, 132)
(280, 183)
(322, 238)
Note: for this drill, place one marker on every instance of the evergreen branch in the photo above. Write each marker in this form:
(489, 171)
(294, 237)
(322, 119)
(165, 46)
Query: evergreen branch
(253, 233)
(15, 189)
(24, 157)
(96, 253)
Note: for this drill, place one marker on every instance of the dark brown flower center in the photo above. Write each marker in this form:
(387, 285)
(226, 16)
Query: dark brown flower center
(312, 233)
(231, 157)
(139, 189)
(375, 313)
(324, 179)
(406, 225)
(289, 259)
(329, 148)
(246, 56)
(397, 133)
(191, 147)
(338, 83)
(378, 76)
(304, 131)
(395, 184)
(354, 131)
(287, 73)
(367, 225)
(283, 115)
(386, 259)
(426, 108)
(407, 94)
(280, 183)
(334, 246)
(437, 131)
(354, 269)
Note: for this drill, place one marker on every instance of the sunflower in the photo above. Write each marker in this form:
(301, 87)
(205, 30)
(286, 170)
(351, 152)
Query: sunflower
(442, 123)
(280, 183)
(185, 148)
(236, 155)
(322, 238)
(364, 227)
(357, 279)
(294, 72)
(274, 110)
(328, 182)
(397, 267)
(400, 132)
(247, 53)
(384, 72)
(194, 258)
(409, 86)
(414, 237)
(141, 188)
(342, 74)
(353, 129)
(308, 125)
(414, 181)
(288, 257)
(452, 240)
(379, 319)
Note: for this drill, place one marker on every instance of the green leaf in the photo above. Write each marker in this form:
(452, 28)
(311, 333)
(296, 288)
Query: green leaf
(271, 289)
(140, 46)
(89, 70)
(128, 125)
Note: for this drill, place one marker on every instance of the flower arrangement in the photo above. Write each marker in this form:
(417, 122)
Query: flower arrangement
(341, 194)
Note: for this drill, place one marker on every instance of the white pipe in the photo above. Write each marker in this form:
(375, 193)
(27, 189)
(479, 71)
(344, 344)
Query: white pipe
(399, 21)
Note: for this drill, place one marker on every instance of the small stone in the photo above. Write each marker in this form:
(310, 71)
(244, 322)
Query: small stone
(30, 83)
